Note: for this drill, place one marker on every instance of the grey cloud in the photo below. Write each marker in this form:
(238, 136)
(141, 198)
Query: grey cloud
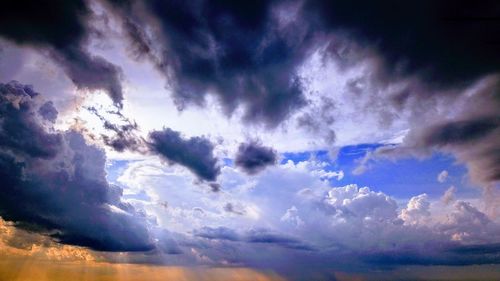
(222, 233)
(55, 183)
(265, 236)
(458, 36)
(21, 133)
(230, 208)
(61, 28)
(466, 125)
(460, 132)
(242, 52)
(257, 236)
(195, 153)
(453, 255)
(48, 111)
(253, 157)
(90, 72)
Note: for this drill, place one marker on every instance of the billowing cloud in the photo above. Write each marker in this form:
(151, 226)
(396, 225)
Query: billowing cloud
(195, 153)
(253, 157)
(291, 216)
(55, 183)
(417, 210)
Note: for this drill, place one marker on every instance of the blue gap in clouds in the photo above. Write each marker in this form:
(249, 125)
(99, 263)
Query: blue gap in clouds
(401, 178)
(114, 169)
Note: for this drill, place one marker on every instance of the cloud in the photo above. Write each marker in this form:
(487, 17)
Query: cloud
(55, 183)
(417, 210)
(90, 72)
(305, 225)
(195, 153)
(291, 216)
(467, 224)
(256, 235)
(245, 54)
(449, 195)
(458, 47)
(229, 207)
(360, 203)
(61, 28)
(471, 131)
(48, 112)
(443, 176)
(21, 133)
(222, 233)
(253, 157)
(125, 132)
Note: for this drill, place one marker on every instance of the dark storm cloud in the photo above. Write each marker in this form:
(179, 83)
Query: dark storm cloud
(20, 133)
(474, 136)
(247, 53)
(195, 153)
(240, 51)
(449, 42)
(60, 26)
(460, 132)
(57, 23)
(90, 72)
(55, 183)
(253, 157)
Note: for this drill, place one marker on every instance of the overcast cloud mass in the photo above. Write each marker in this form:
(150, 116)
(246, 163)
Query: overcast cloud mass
(250, 140)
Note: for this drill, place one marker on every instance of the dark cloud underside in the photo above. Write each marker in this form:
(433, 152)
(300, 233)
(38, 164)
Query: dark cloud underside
(253, 157)
(450, 42)
(61, 27)
(236, 50)
(195, 153)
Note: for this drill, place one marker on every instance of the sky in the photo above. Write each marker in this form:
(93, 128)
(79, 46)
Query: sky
(249, 140)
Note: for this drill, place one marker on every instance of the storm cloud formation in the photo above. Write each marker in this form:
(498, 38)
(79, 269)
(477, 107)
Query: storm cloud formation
(195, 153)
(61, 28)
(253, 157)
(55, 183)
(447, 42)
(403, 79)
(246, 53)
